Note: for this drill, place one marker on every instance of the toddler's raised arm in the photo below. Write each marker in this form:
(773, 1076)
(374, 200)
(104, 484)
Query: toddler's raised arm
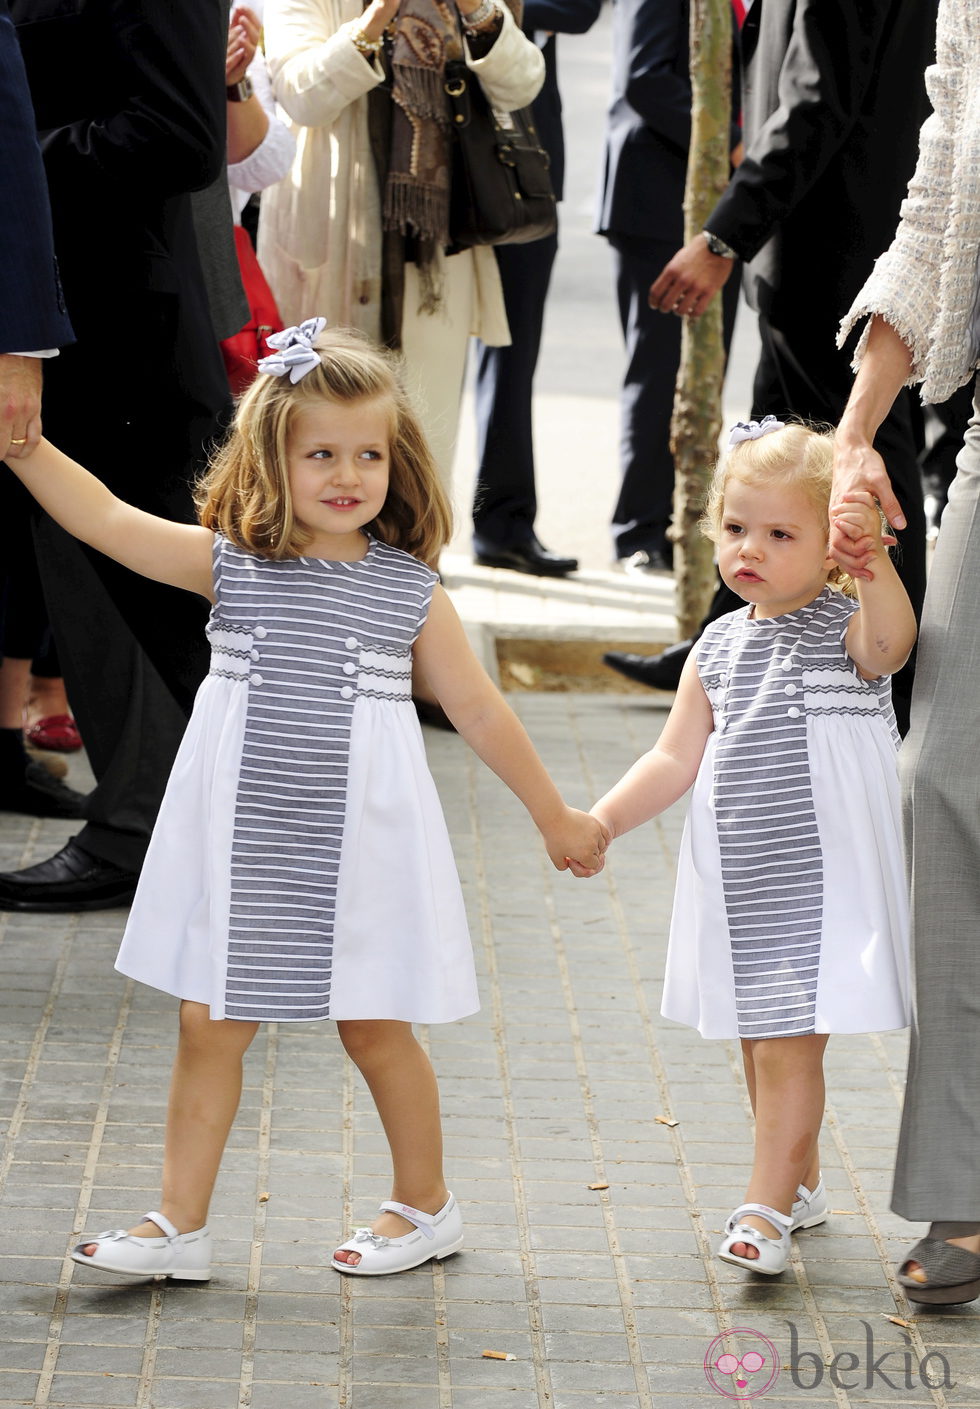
(176, 553)
(881, 635)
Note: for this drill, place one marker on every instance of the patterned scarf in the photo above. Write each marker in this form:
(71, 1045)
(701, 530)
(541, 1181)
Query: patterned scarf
(416, 194)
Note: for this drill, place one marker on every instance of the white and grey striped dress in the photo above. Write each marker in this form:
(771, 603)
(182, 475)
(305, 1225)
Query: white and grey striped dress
(790, 913)
(300, 867)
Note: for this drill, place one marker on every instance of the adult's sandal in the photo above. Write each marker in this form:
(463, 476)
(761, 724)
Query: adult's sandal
(434, 1235)
(183, 1256)
(952, 1274)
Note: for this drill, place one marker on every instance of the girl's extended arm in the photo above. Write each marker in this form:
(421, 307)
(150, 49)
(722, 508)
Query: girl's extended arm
(492, 729)
(177, 553)
(881, 635)
(664, 774)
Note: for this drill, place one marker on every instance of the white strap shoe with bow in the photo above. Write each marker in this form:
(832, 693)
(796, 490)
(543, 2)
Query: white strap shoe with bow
(773, 1252)
(186, 1256)
(434, 1235)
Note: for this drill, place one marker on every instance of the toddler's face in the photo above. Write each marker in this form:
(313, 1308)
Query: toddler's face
(338, 457)
(772, 549)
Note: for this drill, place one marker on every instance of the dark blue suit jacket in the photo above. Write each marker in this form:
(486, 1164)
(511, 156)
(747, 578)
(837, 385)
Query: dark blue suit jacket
(32, 309)
(558, 17)
(648, 128)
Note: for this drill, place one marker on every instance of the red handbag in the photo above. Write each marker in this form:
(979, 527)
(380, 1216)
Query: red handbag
(243, 349)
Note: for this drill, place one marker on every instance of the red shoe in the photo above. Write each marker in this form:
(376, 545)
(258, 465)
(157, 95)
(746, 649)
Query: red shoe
(57, 732)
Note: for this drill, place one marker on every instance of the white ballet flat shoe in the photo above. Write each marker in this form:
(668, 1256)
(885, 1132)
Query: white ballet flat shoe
(773, 1252)
(434, 1235)
(810, 1206)
(186, 1256)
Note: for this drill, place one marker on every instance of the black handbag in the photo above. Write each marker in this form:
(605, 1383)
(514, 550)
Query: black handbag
(501, 191)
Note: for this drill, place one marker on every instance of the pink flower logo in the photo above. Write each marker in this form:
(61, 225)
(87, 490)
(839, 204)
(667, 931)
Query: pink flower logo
(741, 1364)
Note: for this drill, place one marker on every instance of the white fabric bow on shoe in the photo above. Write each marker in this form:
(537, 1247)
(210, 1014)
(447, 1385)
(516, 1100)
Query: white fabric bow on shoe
(185, 1256)
(434, 1235)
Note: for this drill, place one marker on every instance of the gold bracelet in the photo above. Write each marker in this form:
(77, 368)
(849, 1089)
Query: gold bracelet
(363, 45)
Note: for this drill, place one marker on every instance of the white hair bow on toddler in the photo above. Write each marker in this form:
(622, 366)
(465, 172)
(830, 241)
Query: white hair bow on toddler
(296, 353)
(748, 430)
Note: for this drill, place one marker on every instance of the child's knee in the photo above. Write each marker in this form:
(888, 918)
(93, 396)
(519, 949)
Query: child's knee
(364, 1039)
(198, 1031)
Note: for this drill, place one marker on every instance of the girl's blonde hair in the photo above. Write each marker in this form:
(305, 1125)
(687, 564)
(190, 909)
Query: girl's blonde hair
(798, 455)
(244, 493)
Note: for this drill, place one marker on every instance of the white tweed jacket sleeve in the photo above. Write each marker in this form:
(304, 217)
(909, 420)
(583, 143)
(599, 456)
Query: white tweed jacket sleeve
(925, 284)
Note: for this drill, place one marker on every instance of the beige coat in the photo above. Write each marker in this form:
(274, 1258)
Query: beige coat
(926, 283)
(320, 233)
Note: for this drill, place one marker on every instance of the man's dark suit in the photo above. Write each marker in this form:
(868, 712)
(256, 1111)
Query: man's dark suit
(32, 308)
(648, 133)
(130, 104)
(505, 502)
(833, 101)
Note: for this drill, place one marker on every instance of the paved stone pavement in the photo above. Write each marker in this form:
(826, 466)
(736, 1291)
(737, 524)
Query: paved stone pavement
(604, 1295)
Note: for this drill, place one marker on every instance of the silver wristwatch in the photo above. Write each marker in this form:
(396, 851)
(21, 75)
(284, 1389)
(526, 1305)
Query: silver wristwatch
(717, 246)
(240, 92)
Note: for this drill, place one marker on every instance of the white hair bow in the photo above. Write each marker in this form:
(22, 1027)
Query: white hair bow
(751, 430)
(296, 353)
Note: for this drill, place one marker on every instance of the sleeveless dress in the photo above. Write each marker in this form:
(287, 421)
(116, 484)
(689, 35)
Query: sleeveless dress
(791, 913)
(300, 867)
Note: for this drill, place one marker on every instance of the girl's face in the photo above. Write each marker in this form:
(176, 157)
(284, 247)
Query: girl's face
(773, 546)
(337, 456)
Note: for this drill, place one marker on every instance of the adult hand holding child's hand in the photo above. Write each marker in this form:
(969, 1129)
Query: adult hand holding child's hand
(856, 532)
(20, 405)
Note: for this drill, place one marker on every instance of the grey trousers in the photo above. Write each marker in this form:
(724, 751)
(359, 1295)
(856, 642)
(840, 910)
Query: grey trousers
(937, 1172)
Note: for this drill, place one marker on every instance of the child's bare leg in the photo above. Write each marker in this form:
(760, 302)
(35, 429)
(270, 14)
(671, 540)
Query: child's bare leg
(789, 1102)
(205, 1089)
(401, 1080)
(812, 1175)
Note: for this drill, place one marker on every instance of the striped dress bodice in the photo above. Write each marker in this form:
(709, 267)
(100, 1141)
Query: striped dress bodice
(306, 638)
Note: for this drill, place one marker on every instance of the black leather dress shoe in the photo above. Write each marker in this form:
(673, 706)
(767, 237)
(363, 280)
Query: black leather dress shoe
(661, 672)
(72, 879)
(523, 555)
(36, 793)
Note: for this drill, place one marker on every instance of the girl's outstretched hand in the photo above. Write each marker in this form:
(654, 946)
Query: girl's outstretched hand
(576, 841)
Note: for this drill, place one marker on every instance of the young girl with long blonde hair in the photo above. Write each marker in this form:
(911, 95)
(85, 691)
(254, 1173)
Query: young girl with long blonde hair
(300, 868)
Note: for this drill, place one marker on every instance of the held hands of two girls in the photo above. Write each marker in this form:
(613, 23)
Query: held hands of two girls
(575, 841)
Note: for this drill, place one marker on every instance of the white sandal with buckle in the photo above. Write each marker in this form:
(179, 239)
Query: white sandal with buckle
(810, 1206)
(434, 1235)
(773, 1252)
(186, 1256)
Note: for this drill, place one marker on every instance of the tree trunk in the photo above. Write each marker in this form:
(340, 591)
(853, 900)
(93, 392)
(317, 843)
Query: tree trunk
(696, 423)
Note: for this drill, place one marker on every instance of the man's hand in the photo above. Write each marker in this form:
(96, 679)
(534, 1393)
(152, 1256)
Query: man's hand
(690, 281)
(20, 405)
